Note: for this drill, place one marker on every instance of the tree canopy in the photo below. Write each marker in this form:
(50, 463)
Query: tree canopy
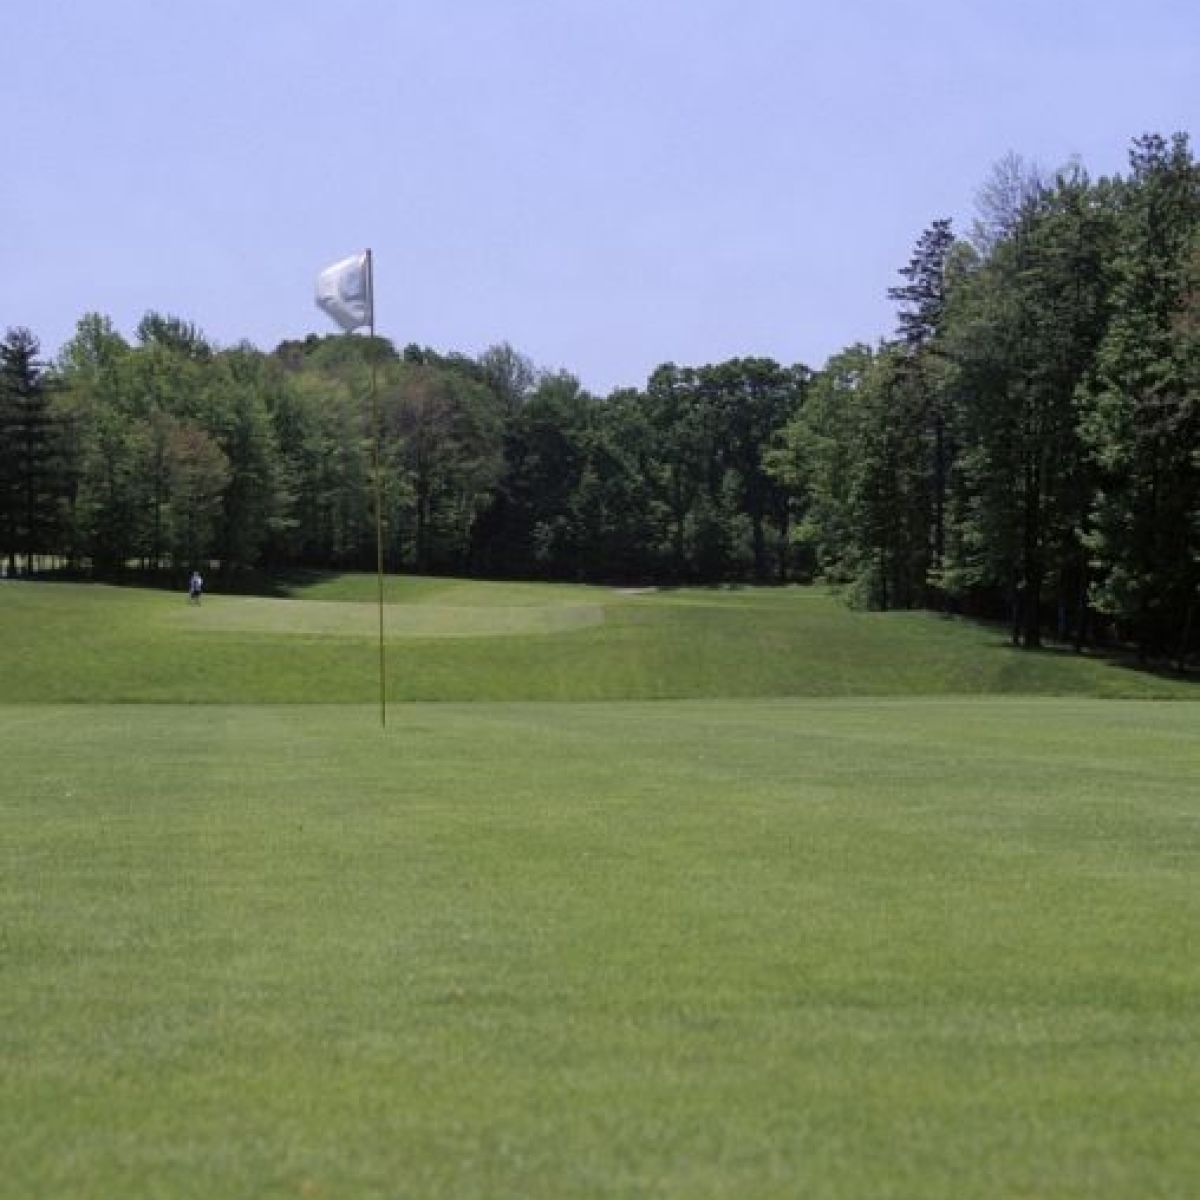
(1026, 446)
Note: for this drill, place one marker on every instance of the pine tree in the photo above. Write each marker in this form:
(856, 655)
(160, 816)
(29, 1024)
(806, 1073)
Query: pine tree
(922, 301)
(29, 489)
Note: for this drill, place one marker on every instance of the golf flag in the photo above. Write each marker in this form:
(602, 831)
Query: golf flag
(344, 291)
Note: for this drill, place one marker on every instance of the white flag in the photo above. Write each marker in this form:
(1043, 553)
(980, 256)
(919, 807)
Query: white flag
(344, 291)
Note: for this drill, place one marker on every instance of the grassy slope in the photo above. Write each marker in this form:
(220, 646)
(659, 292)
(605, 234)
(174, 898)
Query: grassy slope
(466, 641)
(868, 948)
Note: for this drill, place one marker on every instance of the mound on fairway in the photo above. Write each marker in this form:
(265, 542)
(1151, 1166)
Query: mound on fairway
(458, 640)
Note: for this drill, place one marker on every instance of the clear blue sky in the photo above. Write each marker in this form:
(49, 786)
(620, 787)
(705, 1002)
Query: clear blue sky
(607, 184)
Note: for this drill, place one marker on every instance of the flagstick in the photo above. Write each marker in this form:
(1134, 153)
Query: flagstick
(378, 421)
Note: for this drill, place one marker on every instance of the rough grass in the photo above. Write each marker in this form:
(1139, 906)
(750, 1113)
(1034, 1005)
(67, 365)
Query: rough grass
(857, 948)
(451, 640)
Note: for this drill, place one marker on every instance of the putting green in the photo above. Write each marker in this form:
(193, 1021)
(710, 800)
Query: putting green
(324, 618)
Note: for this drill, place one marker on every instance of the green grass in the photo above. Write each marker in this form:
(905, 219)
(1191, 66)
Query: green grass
(464, 641)
(816, 903)
(443, 592)
(856, 948)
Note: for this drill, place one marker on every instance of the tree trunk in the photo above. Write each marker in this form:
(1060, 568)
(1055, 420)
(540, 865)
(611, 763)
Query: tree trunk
(1185, 639)
(939, 505)
(785, 524)
(421, 533)
(1082, 612)
(1032, 616)
(760, 547)
(1014, 608)
(1031, 565)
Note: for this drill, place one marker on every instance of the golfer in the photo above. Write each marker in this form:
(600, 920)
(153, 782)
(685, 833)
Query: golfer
(195, 587)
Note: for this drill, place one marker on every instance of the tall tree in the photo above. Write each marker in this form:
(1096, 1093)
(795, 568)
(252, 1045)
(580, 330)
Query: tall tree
(815, 461)
(682, 437)
(112, 503)
(1144, 416)
(754, 399)
(526, 527)
(612, 523)
(890, 492)
(257, 501)
(29, 489)
(922, 308)
(858, 456)
(449, 451)
(1023, 332)
(92, 376)
(510, 375)
(198, 474)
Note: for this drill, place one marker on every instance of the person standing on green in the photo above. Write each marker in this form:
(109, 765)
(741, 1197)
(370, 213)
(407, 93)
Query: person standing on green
(195, 587)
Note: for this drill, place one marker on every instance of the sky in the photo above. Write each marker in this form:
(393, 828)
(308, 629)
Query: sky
(605, 184)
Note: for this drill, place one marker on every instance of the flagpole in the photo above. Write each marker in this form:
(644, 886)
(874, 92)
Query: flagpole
(378, 423)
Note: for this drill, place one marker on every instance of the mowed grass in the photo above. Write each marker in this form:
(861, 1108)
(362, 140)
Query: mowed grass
(466, 641)
(869, 948)
(862, 905)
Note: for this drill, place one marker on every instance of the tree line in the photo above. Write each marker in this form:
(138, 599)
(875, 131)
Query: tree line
(1025, 446)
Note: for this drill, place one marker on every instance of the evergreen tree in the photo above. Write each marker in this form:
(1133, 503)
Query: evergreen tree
(922, 301)
(29, 484)
(922, 298)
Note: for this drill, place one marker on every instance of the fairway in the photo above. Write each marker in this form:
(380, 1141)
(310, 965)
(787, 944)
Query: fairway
(935, 944)
(600, 601)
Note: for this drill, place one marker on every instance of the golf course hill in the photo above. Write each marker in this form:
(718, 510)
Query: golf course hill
(316, 640)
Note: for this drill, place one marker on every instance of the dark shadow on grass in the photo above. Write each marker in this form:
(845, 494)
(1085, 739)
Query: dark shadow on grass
(1121, 657)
